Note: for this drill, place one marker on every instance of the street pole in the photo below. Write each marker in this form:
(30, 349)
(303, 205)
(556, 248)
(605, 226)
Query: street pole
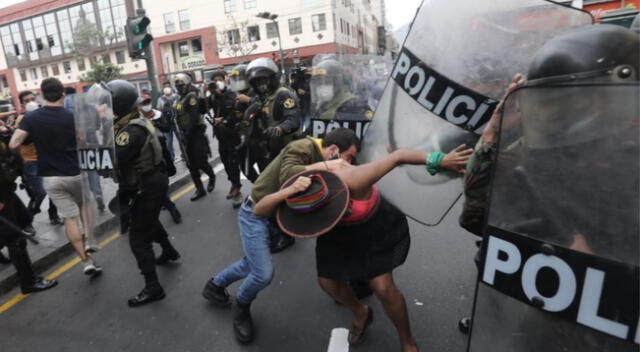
(151, 67)
(284, 78)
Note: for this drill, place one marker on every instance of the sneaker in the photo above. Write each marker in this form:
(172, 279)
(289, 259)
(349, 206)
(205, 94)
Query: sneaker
(55, 220)
(91, 269)
(237, 200)
(92, 248)
(29, 231)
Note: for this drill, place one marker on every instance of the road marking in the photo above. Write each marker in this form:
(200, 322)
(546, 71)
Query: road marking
(71, 263)
(339, 340)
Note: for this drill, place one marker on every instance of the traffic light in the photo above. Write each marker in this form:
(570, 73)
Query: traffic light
(137, 37)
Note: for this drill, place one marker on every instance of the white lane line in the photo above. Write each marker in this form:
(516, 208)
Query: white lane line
(339, 341)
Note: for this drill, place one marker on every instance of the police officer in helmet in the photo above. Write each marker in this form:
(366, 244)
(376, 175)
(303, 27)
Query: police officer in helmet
(143, 185)
(334, 99)
(250, 137)
(222, 102)
(279, 112)
(192, 127)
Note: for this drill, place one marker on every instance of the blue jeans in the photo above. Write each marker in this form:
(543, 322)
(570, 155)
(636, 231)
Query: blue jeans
(168, 138)
(256, 267)
(33, 181)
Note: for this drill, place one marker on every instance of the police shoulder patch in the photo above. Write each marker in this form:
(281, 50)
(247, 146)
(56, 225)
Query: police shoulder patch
(193, 101)
(289, 103)
(122, 138)
(368, 114)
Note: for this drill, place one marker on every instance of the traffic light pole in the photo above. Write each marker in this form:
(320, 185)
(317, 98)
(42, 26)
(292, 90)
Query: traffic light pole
(151, 67)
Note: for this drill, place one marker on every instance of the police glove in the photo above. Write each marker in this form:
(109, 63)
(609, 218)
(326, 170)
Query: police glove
(273, 132)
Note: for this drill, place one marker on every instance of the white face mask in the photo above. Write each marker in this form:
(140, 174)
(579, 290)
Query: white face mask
(167, 91)
(237, 86)
(220, 85)
(325, 92)
(146, 108)
(32, 105)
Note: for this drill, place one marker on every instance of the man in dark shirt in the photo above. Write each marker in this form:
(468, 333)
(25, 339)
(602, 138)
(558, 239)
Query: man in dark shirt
(52, 130)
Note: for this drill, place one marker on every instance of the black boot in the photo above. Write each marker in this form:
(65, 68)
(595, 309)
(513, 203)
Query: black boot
(199, 194)
(216, 294)
(175, 214)
(168, 254)
(242, 322)
(150, 293)
(212, 183)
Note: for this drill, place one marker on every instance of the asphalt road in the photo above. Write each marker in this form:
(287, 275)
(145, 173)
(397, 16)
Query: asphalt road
(292, 314)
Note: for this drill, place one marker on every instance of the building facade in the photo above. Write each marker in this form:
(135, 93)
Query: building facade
(62, 38)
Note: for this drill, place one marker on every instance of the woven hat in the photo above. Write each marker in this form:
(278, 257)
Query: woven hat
(318, 209)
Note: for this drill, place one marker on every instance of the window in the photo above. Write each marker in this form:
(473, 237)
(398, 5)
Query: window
(319, 22)
(272, 30)
(12, 43)
(33, 74)
(183, 47)
(295, 26)
(120, 57)
(233, 36)
(169, 25)
(93, 60)
(229, 6)
(81, 65)
(113, 16)
(106, 59)
(44, 71)
(66, 65)
(341, 26)
(253, 32)
(23, 75)
(183, 16)
(196, 46)
(249, 4)
(55, 70)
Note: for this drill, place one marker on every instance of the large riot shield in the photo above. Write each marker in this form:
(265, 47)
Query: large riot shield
(93, 116)
(560, 256)
(356, 85)
(456, 62)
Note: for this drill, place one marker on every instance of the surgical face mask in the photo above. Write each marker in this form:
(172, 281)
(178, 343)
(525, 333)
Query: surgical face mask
(325, 92)
(239, 85)
(220, 85)
(167, 91)
(32, 105)
(146, 108)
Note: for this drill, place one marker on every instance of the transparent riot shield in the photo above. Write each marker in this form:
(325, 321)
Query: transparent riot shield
(345, 91)
(94, 134)
(455, 64)
(560, 257)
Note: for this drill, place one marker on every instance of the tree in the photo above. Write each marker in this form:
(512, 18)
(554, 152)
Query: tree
(89, 40)
(234, 40)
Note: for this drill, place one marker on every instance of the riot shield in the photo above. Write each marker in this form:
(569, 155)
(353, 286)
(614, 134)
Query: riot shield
(456, 62)
(355, 83)
(560, 257)
(96, 153)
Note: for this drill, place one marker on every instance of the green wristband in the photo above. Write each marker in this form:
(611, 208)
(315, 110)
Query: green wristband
(433, 162)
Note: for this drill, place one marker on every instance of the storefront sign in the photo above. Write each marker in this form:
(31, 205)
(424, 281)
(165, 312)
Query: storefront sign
(192, 62)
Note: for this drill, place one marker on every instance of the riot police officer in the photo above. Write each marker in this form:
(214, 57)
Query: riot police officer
(249, 146)
(334, 98)
(143, 185)
(278, 111)
(13, 216)
(222, 103)
(191, 124)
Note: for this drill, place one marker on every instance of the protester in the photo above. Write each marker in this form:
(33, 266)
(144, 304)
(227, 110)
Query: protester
(52, 130)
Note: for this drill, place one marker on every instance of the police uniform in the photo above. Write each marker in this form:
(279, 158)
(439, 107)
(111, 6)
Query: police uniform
(192, 126)
(143, 183)
(279, 109)
(345, 106)
(249, 139)
(227, 133)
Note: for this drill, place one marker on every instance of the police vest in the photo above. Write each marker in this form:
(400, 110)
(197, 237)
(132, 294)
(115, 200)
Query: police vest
(184, 107)
(330, 110)
(150, 154)
(269, 105)
(8, 168)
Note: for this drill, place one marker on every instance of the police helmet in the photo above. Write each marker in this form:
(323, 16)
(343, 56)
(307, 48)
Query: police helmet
(238, 78)
(219, 73)
(604, 53)
(123, 97)
(329, 72)
(263, 68)
(182, 78)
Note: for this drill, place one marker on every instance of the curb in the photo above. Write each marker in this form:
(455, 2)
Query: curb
(102, 230)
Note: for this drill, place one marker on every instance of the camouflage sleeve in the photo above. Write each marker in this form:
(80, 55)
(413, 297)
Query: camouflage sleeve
(476, 187)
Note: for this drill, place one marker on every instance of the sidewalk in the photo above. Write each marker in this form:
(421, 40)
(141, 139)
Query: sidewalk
(54, 245)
